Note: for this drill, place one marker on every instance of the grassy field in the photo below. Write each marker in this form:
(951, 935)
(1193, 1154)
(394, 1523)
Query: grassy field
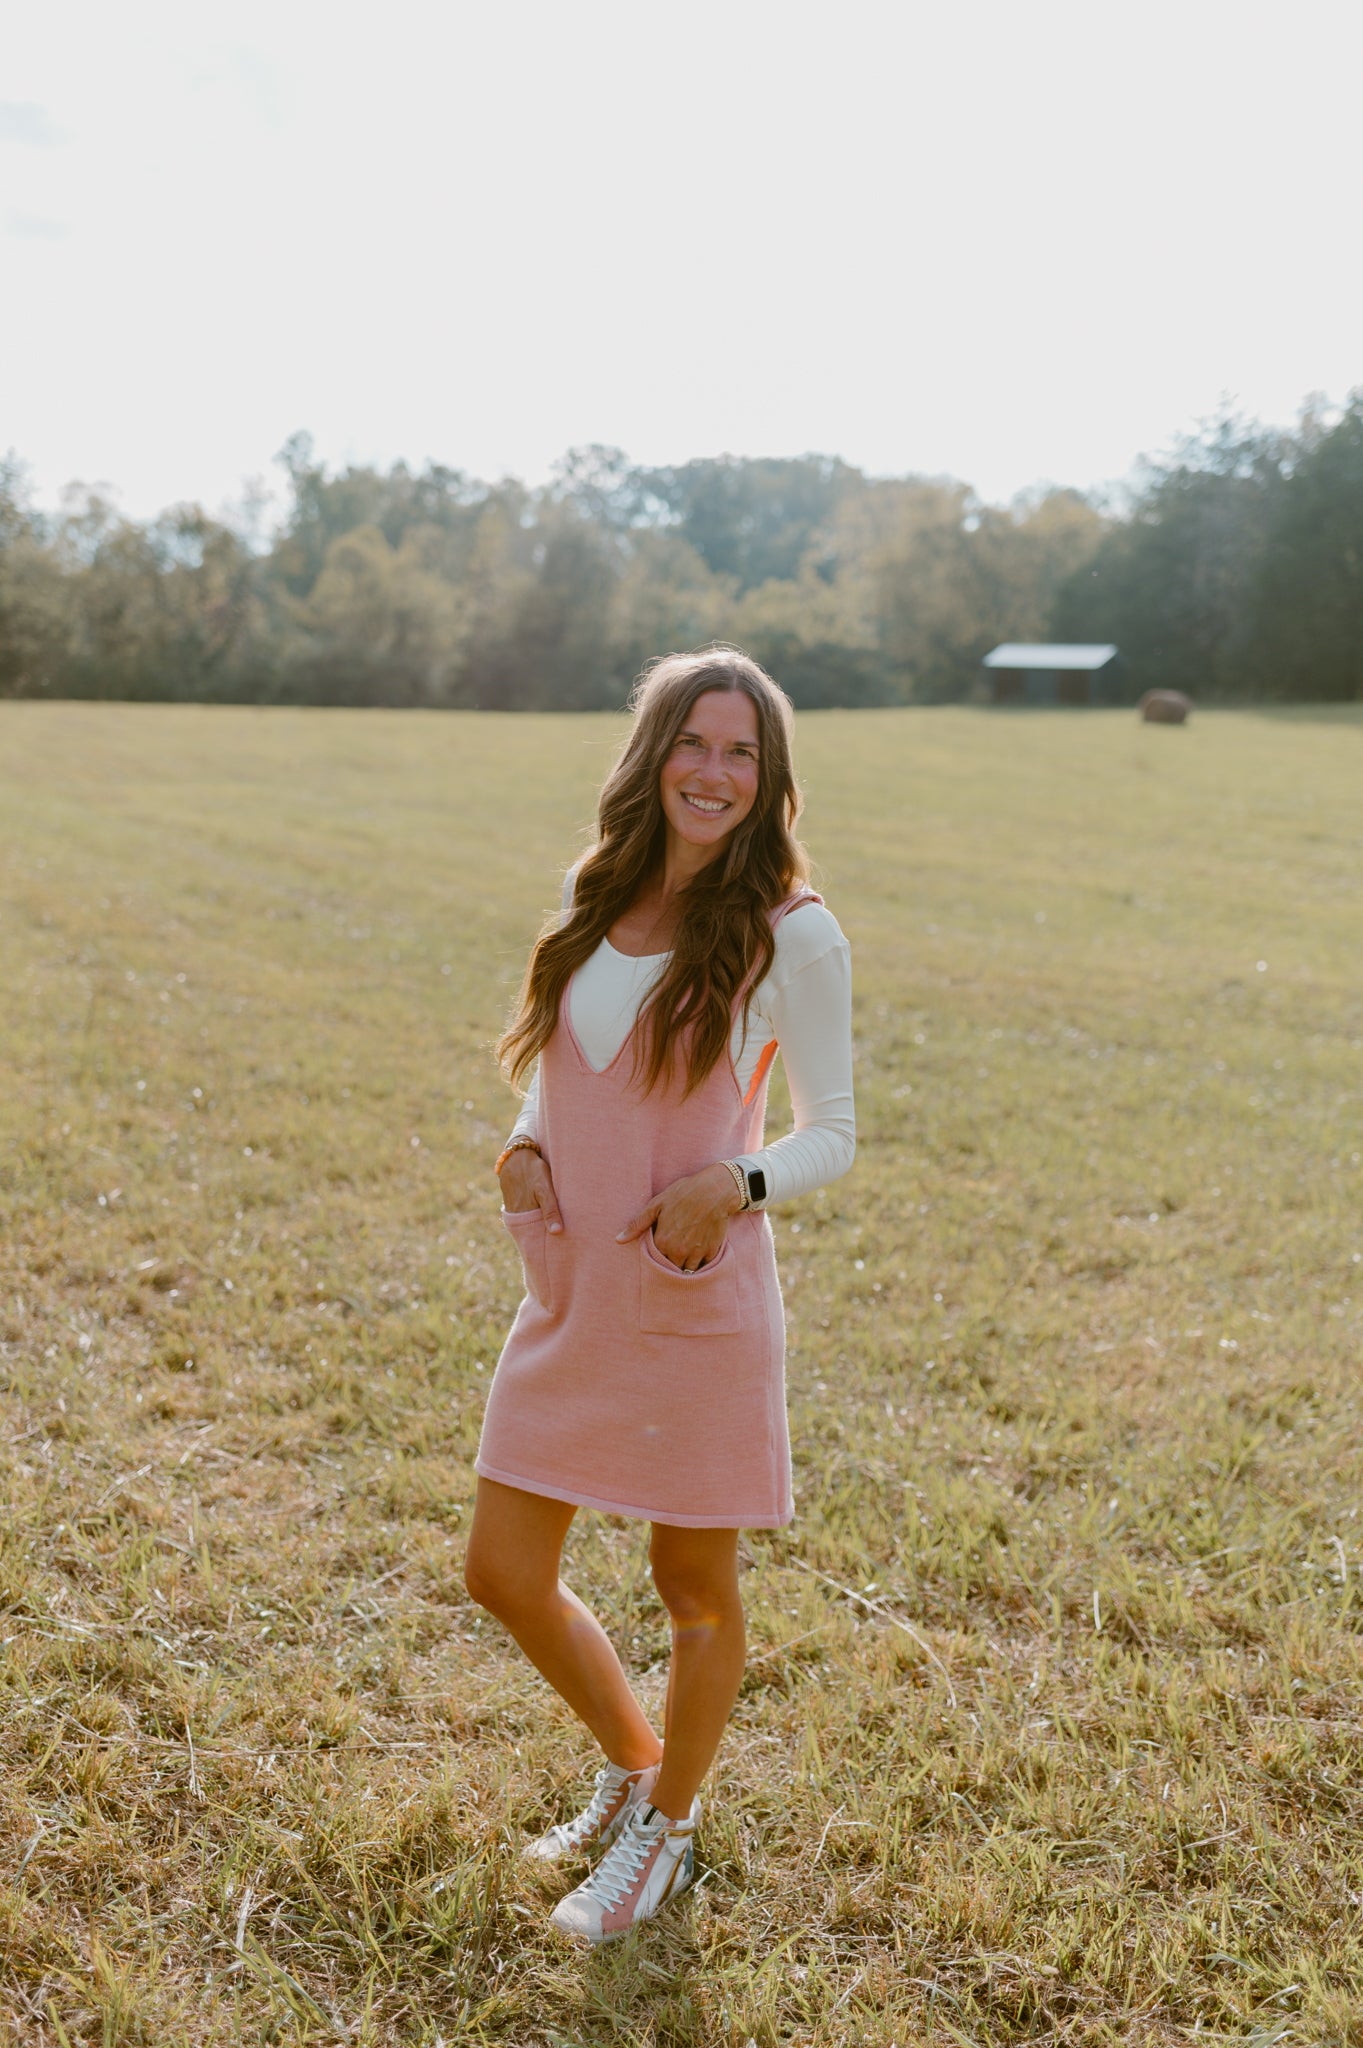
(1051, 1730)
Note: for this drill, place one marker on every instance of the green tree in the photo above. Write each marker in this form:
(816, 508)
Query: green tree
(810, 634)
(1307, 609)
(324, 508)
(162, 610)
(36, 622)
(664, 598)
(749, 520)
(1172, 585)
(381, 625)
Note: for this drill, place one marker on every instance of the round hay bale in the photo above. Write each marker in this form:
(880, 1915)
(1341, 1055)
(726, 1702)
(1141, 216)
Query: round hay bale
(1164, 707)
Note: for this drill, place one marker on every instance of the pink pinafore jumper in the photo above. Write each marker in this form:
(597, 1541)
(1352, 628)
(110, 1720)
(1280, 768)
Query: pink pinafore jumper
(624, 1383)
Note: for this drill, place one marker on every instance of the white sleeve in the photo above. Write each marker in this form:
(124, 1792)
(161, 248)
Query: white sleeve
(527, 1123)
(811, 1015)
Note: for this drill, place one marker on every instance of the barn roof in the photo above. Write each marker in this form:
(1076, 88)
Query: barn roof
(1026, 654)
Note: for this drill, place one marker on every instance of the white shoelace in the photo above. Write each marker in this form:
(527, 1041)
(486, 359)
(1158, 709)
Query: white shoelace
(620, 1866)
(572, 1833)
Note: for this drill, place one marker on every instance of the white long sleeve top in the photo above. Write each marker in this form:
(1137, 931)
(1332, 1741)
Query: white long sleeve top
(804, 1002)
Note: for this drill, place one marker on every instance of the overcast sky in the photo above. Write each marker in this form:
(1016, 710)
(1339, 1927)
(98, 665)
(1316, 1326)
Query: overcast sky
(1013, 242)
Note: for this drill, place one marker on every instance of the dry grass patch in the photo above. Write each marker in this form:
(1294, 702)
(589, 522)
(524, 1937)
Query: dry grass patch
(1051, 1729)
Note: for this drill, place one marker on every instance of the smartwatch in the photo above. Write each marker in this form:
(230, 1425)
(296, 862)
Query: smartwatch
(757, 1186)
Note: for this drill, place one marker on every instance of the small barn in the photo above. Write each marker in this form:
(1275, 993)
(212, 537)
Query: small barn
(1020, 673)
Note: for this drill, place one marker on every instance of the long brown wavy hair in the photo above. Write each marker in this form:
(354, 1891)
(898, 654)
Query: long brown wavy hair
(724, 942)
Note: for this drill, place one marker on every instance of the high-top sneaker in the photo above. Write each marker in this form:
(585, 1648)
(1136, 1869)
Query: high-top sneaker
(613, 1800)
(649, 1863)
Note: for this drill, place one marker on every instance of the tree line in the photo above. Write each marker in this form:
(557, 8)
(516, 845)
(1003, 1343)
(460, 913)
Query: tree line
(1233, 570)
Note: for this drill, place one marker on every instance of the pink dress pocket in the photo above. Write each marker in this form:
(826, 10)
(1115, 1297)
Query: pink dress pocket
(529, 1235)
(677, 1304)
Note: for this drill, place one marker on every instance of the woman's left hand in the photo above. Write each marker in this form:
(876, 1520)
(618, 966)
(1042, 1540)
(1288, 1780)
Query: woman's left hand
(690, 1219)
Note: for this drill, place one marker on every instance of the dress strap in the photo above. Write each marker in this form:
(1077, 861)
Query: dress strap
(789, 903)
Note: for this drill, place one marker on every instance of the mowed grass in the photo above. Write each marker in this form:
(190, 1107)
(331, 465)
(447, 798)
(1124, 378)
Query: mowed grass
(1051, 1728)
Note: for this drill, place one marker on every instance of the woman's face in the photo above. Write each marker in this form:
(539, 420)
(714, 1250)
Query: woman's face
(709, 780)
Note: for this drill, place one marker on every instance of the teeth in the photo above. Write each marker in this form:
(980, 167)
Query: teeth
(702, 803)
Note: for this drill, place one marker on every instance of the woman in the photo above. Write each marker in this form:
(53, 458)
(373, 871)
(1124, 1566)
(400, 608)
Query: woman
(644, 1372)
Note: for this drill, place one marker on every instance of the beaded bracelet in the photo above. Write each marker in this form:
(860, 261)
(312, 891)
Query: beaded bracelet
(740, 1182)
(521, 1144)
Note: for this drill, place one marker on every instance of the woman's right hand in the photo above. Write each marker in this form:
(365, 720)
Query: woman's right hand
(526, 1183)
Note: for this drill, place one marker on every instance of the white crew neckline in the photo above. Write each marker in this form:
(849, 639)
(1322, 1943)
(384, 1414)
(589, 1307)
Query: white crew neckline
(632, 956)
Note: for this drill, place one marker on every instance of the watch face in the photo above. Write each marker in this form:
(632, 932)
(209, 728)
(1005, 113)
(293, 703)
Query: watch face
(757, 1185)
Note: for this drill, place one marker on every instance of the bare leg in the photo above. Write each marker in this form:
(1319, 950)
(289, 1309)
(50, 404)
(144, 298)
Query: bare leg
(511, 1568)
(696, 1573)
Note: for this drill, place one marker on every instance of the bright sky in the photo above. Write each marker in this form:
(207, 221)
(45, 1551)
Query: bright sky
(1010, 242)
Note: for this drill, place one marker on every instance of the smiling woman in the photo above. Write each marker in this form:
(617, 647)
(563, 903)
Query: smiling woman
(644, 1373)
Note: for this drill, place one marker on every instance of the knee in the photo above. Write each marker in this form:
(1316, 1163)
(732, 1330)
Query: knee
(694, 1597)
(480, 1579)
(498, 1583)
